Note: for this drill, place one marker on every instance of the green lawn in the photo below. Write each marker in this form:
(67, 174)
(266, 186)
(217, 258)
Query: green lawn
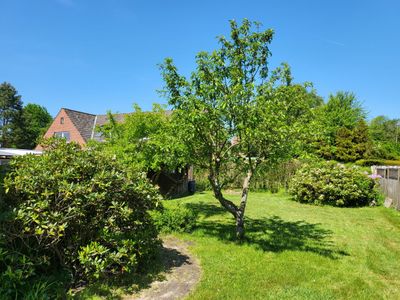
(295, 251)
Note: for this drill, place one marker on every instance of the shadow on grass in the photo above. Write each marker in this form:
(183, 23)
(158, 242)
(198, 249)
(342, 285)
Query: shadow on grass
(269, 234)
(114, 288)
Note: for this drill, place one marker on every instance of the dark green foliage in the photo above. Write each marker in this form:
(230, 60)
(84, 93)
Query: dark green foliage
(333, 184)
(10, 114)
(2, 175)
(370, 162)
(340, 130)
(20, 127)
(389, 162)
(147, 140)
(385, 134)
(342, 110)
(384, 129)
(345, 147)
(176, 218)
(42, 290)
(77, 211)
(384, 150)
(352, 144)
(377, 162)
(35, 120)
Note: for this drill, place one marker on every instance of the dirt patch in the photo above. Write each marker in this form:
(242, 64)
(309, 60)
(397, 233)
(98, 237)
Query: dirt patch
(184, 272)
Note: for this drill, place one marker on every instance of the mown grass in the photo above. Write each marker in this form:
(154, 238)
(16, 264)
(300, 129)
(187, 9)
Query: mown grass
(291, 251)
(295, 251)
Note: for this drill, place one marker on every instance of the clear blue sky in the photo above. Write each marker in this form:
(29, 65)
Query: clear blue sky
(99, 55)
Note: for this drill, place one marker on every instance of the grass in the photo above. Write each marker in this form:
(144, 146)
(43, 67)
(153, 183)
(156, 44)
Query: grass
(295, 251)
(291, 251)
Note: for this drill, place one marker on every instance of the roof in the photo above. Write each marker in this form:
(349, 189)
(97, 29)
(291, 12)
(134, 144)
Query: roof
(83, 122)
(119, 118)
(103, 119)
(86, 123)
(9, 152)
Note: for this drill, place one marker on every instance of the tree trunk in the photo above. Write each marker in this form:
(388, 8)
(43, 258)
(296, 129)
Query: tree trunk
(242, 208)
(237, 212)
(228, 205)
(240, 226)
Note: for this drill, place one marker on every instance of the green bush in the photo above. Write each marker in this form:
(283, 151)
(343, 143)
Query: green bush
(370, 162)
(77, 211)
(333, 184)
(2, 175)
(377, 162)
(391, 162)
(176, 218)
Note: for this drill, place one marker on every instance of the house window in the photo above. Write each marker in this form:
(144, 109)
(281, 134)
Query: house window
(62, 134)
(62, 120)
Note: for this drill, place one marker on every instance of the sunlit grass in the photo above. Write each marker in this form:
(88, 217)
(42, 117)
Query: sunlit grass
(296, 251)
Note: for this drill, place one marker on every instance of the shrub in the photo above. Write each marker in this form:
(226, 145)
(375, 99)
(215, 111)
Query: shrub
(202, 181)
(2, 175)
(333, 184)
(78, 211)
(391, 163)
(377, 162)
(176, 218)
(370, 162)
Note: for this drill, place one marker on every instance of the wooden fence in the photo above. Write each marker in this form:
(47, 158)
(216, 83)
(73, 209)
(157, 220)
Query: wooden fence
(390, 184)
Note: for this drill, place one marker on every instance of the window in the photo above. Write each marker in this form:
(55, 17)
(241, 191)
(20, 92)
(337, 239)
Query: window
(62, 134)
(62, 120)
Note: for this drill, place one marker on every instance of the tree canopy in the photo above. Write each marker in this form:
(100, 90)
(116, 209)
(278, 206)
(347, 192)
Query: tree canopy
(10, 114)
(145, 139)
(232, 115)
(20, 126)
(341, 129)
(385, 133)
(35, 121)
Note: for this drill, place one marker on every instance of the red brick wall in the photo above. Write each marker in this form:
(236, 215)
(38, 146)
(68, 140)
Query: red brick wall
(56, 126)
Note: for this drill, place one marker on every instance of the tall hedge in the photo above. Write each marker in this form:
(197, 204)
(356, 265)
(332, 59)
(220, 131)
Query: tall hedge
(74, 210)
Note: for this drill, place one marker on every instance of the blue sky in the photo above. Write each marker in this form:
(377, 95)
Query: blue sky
(99, 55)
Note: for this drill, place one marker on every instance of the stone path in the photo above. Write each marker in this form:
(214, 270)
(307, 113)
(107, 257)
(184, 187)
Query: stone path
(184, 273)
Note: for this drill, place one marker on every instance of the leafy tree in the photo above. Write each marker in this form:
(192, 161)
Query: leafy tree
(35, 121)
(146, 139)
(342, 110)
(384, 129)
(385, 134)
(231, 117)
(10, 114)
(352, 144)
(336, 120)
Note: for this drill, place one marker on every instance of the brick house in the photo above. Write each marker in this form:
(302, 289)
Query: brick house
(80, 127)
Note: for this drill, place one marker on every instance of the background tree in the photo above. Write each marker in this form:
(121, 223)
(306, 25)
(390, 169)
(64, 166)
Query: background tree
(10, 114)
(344, 110)
(35, 121)
(335, 128)
(352, 144)
(231, 116)
(385, 134)
(147, 140)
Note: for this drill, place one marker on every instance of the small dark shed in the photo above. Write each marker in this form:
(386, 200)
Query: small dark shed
(173, 184)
